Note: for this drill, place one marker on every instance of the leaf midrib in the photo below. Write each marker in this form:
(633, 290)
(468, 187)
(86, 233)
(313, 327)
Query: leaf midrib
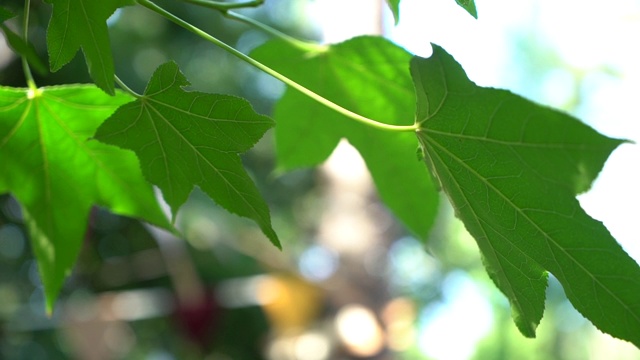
(103, 66)
(549, 239)
(241, 194)
(550, 145)
(45, 168)
(496, 253)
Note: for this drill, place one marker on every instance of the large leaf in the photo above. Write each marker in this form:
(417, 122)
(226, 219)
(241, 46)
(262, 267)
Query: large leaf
(83, 23)
(512, 169)
(367, 75)
(49, 166)
(186, 139)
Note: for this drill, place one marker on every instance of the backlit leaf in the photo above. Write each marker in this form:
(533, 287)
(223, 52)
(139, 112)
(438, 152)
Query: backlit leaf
(57, 175)
(394, 5)
(511, 169)
(189, 138)
(470, 6)
(369, 76)
(83, 23)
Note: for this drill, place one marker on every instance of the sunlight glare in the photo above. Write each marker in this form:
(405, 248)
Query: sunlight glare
(452, 328)
(359, 330)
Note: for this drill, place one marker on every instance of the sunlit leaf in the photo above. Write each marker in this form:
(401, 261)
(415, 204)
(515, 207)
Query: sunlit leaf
(511, 169)
(83, 23)
(367, 75)
(188, 138)
(57, 175)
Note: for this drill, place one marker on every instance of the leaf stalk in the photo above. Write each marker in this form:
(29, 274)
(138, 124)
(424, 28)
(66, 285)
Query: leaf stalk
(350, 114)
(224, 6)
(31, 83)
(303, 45)
(124, 87)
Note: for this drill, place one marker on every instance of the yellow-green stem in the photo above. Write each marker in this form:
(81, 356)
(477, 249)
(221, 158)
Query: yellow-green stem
(303, 45)
(223, 6)
(25, 64)
(124, 87)
(388, 127)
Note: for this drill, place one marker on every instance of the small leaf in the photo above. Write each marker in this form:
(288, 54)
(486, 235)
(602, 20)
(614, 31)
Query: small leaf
(367, 75)
(83, 23)
(25, 49)
(470, 6)
(49, 166)
(184, 139)
(394, 5)
(511, 169)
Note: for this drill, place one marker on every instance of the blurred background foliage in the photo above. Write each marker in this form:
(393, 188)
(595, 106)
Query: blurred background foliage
(350, 283)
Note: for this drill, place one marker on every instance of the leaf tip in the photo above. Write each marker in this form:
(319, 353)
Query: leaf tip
(108, 88)
(526, 328)
(273, 237)
(49, 308)
(394, 6)
(469, 6)
(169, 71)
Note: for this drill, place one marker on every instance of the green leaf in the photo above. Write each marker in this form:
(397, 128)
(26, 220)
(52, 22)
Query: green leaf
(19, 45)
(24, 48)
(5, 15)
(82, 23)
(184, 139)
(394, 5)
(57, 175)
(369, 76)
(470, 6)
(512, 169)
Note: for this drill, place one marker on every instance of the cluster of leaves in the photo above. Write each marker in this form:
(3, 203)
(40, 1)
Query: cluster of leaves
(511, 168)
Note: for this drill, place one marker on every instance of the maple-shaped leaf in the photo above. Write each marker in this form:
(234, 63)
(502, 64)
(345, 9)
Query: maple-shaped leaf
(83, 23)
(189, 138)
(512, 169)
(47, 163)
(369, 76)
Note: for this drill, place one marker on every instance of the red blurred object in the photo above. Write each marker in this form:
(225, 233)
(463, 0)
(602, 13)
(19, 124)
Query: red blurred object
(198, 318)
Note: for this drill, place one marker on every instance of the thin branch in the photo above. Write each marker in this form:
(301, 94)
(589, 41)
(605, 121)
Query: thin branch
(224, 6)
(124, 87)
(303, 45)
(357, 117)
